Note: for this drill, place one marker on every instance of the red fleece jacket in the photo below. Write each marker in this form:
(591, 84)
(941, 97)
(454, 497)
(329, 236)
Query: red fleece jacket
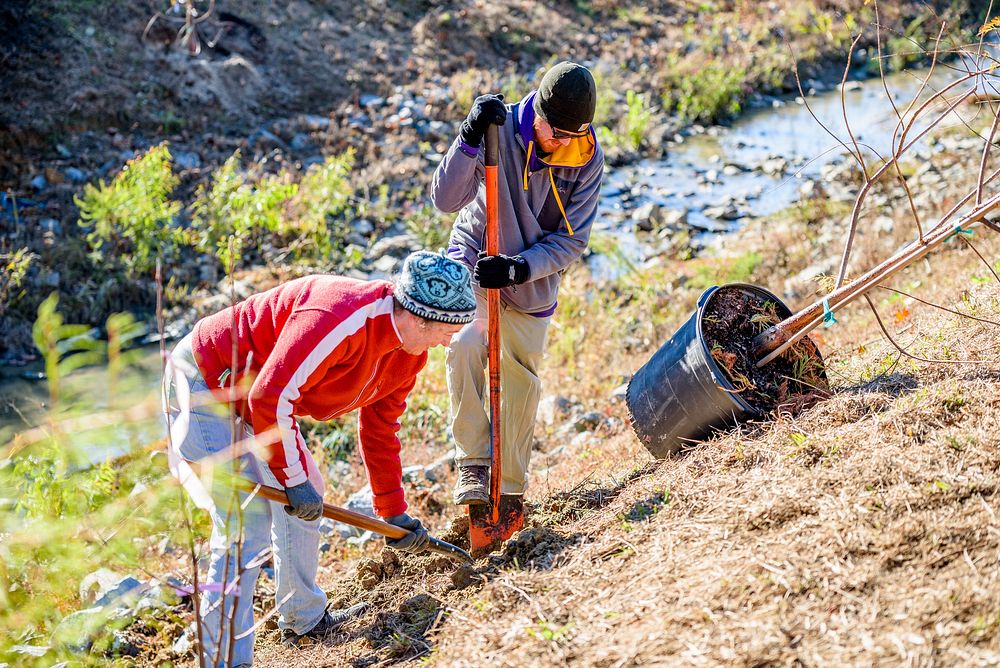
(318, 346)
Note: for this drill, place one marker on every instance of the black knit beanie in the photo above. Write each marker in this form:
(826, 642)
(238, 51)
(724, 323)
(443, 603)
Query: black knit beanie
(567, 97)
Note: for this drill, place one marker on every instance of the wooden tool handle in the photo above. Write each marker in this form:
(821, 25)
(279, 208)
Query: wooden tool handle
(341, 515)
(363, 522)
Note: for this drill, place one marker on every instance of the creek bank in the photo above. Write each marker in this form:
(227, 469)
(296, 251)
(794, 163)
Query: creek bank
(399, 130)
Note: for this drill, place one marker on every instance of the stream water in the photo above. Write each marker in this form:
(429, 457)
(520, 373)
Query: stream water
(755, 167)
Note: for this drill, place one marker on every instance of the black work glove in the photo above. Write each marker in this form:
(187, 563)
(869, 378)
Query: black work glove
(486, 110)
(304, 502)
(418, 539)
(500, 271)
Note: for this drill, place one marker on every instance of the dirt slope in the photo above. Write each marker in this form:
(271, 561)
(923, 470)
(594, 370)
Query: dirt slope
(863, 532)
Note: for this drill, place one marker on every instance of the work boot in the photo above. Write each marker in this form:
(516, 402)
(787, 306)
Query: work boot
(473, 485)
(330, 621)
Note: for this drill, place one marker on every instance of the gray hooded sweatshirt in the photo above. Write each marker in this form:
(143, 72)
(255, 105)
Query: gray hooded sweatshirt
(549, 230)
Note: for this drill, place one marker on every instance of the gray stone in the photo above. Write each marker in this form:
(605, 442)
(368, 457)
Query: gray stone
(355, 239)
(315, 123)
(104, 587)
(436, 470)
(849, 86)
(359, 502)
(75, 175)
(122, 646)
(674, 218)
(728, 212)
(363, 226)
(76, 631)
(263, 141)
(185, 160)
(809, 189)
(588, 421)
(583, 439)
(50, 225)
(386, 264)
(413, 473)
(618, 394)
(183, 645)
(775, 167)
(398, 245)
(647, 217)
(555, 408)
(300, 142)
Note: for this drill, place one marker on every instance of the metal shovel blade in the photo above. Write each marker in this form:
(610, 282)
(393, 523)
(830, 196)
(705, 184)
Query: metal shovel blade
(485, 532)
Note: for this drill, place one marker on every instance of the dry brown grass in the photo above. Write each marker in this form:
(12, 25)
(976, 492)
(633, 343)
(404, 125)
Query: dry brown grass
(863, 532)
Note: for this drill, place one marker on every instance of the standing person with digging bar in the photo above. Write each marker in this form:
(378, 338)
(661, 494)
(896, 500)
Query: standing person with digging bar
(550, 180)
(318, 346)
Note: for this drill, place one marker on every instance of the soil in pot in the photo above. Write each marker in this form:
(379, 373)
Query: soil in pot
(731, 320)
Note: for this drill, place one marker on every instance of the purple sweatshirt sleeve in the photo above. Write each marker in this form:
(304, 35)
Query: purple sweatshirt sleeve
(457, 179)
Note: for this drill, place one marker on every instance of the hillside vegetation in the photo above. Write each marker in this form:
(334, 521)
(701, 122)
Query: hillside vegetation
(859, 531)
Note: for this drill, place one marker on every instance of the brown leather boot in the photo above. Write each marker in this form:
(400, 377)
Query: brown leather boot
(473, 485)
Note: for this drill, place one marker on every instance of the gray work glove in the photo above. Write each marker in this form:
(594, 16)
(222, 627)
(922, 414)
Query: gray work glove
(304, 502)
(417, 541)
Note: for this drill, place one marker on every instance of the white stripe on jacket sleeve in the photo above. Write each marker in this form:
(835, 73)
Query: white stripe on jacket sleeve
(290, 438)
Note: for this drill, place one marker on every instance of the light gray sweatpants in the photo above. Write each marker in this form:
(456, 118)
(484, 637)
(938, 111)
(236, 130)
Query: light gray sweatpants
(293, 543)
(522, 343)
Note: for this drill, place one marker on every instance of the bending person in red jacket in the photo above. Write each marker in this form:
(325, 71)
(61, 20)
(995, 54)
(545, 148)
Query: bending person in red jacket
(318, 346)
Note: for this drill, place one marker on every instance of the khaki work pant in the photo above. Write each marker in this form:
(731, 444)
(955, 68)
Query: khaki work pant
(522, 342)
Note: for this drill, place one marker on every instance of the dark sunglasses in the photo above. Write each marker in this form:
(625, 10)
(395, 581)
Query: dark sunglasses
(563, 134)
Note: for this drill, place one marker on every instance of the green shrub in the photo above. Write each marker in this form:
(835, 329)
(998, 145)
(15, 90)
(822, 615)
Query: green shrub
(15, 267)
(430, 227)
(323, 196)
(233, 212)
(240, 212)
(630, 130)
(704, 93)
(132, 218)
(64, 348)
(66, 509)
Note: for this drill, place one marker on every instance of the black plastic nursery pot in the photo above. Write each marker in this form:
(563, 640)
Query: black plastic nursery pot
(681, 395)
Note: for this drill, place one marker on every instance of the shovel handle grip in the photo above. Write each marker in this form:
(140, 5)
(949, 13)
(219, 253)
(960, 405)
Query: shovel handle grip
(364, 522)
(341, 515)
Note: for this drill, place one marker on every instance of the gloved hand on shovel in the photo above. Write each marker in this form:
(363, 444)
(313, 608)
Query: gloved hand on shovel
(418, 539)
(500, 271)
(486, 110)
(304, 502)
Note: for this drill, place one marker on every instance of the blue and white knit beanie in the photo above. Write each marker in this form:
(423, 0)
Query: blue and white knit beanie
(436, 287)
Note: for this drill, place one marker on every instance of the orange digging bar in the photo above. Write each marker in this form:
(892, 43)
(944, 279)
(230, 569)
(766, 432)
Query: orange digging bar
(490, 525)
(493, 319)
